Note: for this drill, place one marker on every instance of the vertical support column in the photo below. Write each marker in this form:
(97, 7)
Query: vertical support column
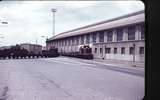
(125, 34)
(97, 37)
(137, 32)
(79, 40)
(114, 36)
(67, 45)
(78, 43)
(105, 37)
(71, 42)
(90, 38)
(85, 39)
(63, 44)
(91, 41)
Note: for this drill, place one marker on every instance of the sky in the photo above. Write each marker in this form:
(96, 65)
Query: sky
(29, 20)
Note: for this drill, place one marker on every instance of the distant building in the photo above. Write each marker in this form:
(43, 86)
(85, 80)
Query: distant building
(5, 47)
(44, 48)
(121, 38)
(32, 48)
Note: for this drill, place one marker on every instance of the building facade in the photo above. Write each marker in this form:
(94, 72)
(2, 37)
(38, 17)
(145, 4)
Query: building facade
(32, 48)
(121, 38)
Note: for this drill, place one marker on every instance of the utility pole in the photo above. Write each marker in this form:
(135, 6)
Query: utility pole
(53, 11)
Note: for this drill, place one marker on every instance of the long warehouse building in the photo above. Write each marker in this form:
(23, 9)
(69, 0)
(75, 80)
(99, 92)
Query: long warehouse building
(121, 38)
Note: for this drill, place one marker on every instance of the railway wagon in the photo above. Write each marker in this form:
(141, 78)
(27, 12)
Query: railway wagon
(15, 52)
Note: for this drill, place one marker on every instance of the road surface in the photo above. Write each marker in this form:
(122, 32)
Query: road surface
(66, 79)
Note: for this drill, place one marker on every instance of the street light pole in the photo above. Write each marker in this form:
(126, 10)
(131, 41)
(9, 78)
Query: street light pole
(53, 11)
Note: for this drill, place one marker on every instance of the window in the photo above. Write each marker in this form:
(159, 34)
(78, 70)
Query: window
(65, 42)
(101, 50)
(122, 50)
(109, 36)
(77, 40)
(94, 37)
(62, 42)
(119, 34)
(59, 43)
(95, 51)
(115, 50)
(87, 38)
(141, 50)
(72, 40)
(82, 39)
(131, 50)
(107, 50)
(142, 32)
(69, 42)
(131, 33)
(101, 37)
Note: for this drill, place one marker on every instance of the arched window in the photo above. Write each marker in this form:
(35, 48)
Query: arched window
(119, 34)
(141, 50)
(94, 37)
(131, 33)
(82, 39)
(115, 50)
(88, 38)
(123, 50)
(101, 36)
(131, 50)
(109, 36)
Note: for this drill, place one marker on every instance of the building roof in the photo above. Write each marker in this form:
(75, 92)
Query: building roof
(132, 18)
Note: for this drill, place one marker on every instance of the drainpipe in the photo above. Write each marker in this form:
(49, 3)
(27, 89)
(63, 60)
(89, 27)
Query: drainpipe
(134, 53)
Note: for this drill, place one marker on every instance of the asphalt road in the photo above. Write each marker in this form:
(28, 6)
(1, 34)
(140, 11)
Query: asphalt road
(66, 79)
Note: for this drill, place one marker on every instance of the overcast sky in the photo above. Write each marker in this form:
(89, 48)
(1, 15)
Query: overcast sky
(29, 20)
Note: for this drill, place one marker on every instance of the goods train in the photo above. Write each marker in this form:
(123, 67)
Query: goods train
(15, 52)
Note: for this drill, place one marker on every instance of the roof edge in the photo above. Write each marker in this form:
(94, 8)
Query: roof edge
(105, 21)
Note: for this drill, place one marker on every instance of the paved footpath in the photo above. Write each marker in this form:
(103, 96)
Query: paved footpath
(117, 65)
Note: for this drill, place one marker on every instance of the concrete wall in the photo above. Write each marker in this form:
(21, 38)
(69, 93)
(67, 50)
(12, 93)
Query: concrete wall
(119, 56)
